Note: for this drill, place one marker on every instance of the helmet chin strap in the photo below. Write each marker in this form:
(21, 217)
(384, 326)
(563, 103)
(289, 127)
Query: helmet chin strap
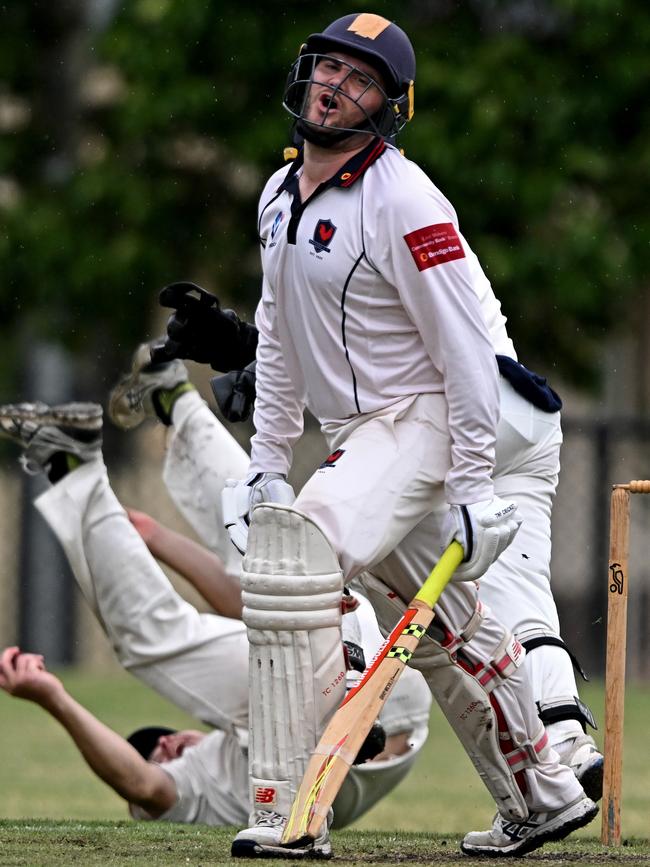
(314, 135)
(329, 139)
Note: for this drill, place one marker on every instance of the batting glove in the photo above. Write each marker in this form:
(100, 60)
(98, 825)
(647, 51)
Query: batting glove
(484, 529)
(239, 498)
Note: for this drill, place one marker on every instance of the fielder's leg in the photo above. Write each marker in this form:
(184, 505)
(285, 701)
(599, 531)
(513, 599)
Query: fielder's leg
(198, 661)
(201, 455)
(292, 586)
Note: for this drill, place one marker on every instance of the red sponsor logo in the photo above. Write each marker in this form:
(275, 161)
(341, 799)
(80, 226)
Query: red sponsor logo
(264, 795)
(332, 459)
(434, 245)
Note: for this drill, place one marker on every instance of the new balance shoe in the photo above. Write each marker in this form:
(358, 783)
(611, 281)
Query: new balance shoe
(263, 840)
(506, 838)
(587, 763)
(148, 390)
(44, 431)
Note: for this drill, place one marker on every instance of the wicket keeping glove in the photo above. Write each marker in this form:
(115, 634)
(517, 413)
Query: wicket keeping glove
(484, 529)
(200, 330)
(235, 393)
(240, 496)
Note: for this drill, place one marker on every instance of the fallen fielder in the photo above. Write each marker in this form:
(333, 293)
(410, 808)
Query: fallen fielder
(198, 661)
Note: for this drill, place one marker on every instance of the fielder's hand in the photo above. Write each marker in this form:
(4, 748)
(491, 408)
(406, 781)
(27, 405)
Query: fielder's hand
(24, 675)
(484, 529)
(200, 330)
(239, 498)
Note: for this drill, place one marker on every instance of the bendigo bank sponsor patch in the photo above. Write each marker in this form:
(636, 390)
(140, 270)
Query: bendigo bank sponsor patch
(434, 245)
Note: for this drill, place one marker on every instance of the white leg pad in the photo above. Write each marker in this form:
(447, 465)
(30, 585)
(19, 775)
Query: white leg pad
(292, 586)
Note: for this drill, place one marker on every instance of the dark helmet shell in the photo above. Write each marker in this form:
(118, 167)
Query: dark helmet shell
(379, 42)
(372, 38)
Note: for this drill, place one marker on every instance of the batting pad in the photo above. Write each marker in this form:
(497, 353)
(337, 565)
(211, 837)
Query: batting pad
(291, 593)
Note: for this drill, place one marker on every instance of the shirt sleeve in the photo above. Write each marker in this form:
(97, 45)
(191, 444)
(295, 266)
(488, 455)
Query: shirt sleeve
(421, 253)
(278, 414)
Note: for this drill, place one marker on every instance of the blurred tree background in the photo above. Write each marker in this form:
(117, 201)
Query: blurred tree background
(135, 137)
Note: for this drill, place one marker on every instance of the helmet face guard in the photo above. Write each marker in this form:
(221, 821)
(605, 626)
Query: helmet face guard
(387, 121)
(378, 42)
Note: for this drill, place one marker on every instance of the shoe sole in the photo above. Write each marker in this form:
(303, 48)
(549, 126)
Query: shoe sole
(253, 849)
(584, 816)
(82, 416)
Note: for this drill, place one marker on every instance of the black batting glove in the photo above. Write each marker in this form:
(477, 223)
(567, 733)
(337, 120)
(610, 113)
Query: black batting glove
(235, 393)
(201, 331)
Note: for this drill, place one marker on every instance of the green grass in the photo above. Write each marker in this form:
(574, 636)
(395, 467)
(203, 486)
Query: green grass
(40, 842)
(55, 812)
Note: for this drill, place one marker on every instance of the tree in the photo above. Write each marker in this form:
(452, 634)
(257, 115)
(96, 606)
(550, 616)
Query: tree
(531, 116)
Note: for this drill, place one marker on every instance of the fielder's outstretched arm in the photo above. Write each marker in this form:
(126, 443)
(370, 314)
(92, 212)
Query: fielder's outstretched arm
(110, 756)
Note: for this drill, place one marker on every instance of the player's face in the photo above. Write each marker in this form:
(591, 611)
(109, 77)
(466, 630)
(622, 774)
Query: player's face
(173, 746)
(345, 91)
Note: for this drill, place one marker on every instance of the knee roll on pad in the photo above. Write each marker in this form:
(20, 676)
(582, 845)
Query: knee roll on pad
(292, 587)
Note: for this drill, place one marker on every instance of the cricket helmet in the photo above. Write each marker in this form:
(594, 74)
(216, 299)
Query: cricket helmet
(377, 41)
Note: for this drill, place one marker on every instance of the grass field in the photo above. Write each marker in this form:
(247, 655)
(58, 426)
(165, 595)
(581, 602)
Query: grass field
(53, 811)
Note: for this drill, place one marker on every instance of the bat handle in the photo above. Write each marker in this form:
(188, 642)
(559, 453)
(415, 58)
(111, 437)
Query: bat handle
(441, 574)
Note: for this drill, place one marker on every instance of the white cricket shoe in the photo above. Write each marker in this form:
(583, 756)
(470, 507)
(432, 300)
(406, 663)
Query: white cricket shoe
(587, 763)
(506, 838)
(263, 840)
(43, 430)
(134, 397)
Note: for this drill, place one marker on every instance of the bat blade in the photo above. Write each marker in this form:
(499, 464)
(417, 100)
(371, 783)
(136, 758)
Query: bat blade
(347, 730)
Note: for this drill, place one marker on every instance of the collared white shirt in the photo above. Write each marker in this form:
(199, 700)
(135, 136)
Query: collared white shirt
(372, 294)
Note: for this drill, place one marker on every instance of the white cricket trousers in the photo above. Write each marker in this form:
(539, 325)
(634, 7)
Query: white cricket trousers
(197, 661)
(380, 501)
(371, 501)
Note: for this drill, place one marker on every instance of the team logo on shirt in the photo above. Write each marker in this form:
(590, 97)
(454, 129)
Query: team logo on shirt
(433, 245)
(323, 234)
(332, 459)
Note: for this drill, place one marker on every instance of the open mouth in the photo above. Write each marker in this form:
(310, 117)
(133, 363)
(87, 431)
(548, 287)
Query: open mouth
(327, 102)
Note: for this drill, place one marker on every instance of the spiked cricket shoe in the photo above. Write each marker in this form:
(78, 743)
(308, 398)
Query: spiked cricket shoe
(133, 398)
(42, 431)
(263, 840)
(507, 838)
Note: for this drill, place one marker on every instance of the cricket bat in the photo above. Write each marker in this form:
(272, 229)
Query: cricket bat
(347, 730)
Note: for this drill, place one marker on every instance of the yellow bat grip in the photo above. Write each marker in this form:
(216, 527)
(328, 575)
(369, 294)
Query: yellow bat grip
(441, 574)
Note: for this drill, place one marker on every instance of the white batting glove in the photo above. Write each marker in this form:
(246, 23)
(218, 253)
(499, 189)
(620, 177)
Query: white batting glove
(240, 496)
(484, 529)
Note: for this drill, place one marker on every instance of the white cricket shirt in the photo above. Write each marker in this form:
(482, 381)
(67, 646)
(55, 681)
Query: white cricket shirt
(371, 294)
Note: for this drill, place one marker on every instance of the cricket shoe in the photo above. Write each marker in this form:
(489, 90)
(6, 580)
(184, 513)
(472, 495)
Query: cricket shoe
(582, 756)
(137, 395)
(507, 838)
(42, 431)
(264, 840)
